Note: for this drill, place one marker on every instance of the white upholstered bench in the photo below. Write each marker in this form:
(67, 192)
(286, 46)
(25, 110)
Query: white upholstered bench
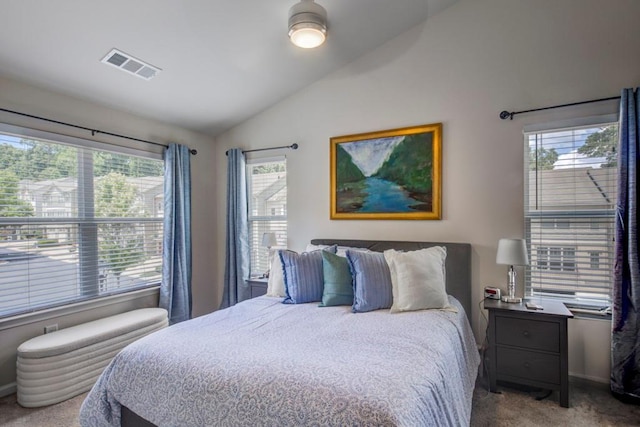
(55, 367)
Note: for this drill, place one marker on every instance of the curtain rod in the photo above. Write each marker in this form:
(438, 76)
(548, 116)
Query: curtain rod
(509, 115)
(293, 146)
(93, 131)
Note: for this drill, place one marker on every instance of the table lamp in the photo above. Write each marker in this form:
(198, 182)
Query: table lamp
(269, 240)
(512, 252)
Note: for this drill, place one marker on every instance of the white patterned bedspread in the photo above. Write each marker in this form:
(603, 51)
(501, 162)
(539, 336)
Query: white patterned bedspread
(265, 363)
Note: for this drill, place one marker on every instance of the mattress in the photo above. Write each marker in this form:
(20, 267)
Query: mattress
(262, 362)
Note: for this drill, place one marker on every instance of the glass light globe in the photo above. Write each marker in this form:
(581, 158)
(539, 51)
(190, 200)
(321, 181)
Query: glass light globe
(307, 35)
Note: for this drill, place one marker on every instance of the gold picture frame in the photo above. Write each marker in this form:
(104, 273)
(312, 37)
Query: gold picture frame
(389, 174)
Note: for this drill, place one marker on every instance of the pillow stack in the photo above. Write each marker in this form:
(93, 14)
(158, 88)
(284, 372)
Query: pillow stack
(303, 275)
(365, 280)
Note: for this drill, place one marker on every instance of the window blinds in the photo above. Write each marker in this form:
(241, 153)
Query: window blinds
(75, 222)
(267, 181)
(570, 196)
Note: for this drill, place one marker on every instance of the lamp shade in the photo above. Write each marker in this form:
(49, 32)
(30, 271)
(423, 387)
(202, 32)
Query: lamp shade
(512, 252)
(269, 239)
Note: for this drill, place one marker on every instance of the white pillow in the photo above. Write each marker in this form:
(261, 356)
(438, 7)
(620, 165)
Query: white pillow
(275, 284)
(418, 279)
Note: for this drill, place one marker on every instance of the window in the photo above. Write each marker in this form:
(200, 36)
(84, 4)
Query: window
(594, 260)
(267, 182)
(570, 196)
(76, 220)
(555, 258)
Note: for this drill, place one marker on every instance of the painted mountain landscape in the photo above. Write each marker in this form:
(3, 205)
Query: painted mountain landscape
(385, 175)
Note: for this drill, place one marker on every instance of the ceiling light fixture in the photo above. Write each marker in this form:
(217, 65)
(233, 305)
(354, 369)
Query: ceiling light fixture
(307, 24)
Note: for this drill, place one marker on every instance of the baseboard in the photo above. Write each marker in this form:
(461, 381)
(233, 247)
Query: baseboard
(8, 389)
(581, 377)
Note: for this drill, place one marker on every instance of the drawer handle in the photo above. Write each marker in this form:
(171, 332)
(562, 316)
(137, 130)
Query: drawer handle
(525, 333)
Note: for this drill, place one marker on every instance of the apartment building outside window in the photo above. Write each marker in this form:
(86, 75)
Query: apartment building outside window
(570, 197)
(267, 188)
(77, 220)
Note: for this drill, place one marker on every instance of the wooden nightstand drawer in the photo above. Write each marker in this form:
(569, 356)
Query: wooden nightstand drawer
(525, 333)
(258, 287)
(528, 365)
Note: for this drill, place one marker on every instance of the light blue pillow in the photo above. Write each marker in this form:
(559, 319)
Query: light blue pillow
(338, 287)
(371, 281)
(303, 278)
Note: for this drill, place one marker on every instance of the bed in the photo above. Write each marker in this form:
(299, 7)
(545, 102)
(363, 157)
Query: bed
(262, 362)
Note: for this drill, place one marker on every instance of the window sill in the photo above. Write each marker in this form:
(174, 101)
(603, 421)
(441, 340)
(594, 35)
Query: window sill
(588, 313)
(52, 313)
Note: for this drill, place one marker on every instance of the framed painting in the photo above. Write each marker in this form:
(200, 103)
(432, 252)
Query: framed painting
(391, 174)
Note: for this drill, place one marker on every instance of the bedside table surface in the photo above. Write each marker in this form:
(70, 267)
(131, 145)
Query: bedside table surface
(554, 308)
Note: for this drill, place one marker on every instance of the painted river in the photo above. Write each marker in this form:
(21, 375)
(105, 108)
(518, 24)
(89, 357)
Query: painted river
(386, 196)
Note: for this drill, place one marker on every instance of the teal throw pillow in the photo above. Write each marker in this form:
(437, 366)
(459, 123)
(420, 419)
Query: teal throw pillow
(338, 288)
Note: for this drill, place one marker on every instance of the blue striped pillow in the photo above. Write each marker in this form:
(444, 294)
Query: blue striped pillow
(371, 281)
(303, 278)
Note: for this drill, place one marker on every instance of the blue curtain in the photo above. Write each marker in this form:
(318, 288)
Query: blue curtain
(625, 332)
(175, 290)
(236, 265)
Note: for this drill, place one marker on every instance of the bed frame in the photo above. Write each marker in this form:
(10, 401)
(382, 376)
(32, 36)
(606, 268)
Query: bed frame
(458, 278)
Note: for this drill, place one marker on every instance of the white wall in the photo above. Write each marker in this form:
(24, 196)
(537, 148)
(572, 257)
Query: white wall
(31, 100)
(461, 67)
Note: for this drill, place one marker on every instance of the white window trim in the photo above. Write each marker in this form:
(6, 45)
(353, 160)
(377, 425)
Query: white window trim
(77, 307)
(41, 314)
(57, 138)
(570, 123)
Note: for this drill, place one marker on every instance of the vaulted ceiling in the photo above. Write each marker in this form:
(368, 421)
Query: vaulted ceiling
(222, 61)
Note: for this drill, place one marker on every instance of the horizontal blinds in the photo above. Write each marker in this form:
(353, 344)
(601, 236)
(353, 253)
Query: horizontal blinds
(75, 223)
(569, 212)
(267, 182)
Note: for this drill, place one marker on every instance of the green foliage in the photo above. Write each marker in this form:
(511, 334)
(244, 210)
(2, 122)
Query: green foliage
(47, 242)
(119, 245)
(410, 164)
(39, 161)
(542, 159)
(105, 163)
(602, 144)
(10, 204)
(346, 170)
(10, 156)
(268, 168)
(115, 197)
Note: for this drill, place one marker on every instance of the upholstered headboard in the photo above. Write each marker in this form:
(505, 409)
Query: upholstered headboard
(458, 263)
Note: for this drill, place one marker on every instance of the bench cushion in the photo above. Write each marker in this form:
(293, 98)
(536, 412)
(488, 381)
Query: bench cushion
(83, 335)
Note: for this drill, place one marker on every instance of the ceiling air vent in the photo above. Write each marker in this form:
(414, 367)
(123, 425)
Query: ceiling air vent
(131, 65)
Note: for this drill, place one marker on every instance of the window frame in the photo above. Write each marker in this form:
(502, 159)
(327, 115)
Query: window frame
(570, 259)
(259, 255)
(87, 264)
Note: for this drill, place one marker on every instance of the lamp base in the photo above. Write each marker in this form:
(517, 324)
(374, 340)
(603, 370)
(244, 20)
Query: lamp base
(511, 300)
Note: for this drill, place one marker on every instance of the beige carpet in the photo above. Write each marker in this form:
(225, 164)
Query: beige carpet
(591, 405)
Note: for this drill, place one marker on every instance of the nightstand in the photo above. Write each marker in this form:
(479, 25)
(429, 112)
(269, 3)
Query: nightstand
(258, 286)
(529, 347)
